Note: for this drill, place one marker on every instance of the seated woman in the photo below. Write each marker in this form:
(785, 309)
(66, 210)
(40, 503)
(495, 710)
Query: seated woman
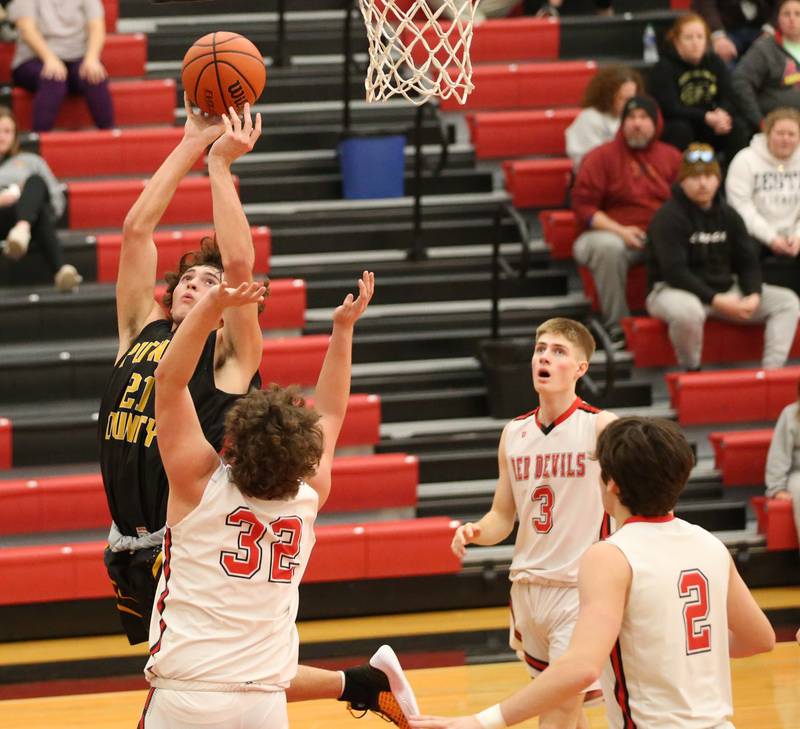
(31, 200)
(767, 77)
(602, 105)
(693, 87)
(783, 461)
(762, 184)
(58, 52)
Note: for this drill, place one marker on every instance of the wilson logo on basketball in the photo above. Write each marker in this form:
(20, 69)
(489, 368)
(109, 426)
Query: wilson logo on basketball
(237, 94)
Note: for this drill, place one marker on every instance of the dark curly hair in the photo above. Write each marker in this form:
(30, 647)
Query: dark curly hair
(649, 460)
(604, 85)
(208, 255)
(272, 442)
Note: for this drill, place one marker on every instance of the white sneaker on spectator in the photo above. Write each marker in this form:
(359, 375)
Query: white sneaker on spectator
(67, 278)
(15, 246)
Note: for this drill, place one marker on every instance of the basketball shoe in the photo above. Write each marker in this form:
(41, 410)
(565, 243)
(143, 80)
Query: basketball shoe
(380, 686)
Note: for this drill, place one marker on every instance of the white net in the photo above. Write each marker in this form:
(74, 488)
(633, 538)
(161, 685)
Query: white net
(419, 49)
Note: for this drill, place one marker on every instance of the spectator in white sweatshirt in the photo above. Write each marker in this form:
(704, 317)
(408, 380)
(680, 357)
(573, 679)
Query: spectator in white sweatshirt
(763, 183)
(783, 461)
(603, 101)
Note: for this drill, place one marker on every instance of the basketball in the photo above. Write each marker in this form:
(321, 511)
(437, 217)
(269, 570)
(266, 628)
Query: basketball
(221, 70)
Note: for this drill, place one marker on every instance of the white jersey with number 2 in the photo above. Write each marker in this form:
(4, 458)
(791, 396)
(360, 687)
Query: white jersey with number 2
(670, 667)
(556, 490)
(226, 604)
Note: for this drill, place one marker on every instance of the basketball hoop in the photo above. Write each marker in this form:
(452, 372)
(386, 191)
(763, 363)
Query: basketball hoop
(418, 50)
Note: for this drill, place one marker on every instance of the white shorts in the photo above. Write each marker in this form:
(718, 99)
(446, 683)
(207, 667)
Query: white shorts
(542, 621)
(168, 709)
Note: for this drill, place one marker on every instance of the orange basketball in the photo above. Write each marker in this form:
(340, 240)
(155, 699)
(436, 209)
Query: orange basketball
(223, 69)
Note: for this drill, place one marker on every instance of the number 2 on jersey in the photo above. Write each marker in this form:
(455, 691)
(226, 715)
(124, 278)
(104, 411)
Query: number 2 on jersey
(544, 496)
(246, 560)
(693, 586)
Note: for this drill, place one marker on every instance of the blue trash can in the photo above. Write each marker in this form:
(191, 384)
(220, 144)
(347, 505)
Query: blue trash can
(372, 166)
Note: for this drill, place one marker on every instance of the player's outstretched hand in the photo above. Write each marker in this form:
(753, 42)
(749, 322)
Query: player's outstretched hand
(351, 308)
(201, 127)
(465, 534)
(244, 294)
(444, 722)
(240, 135)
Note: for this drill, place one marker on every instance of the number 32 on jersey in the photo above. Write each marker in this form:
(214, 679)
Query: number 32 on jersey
(246, 561)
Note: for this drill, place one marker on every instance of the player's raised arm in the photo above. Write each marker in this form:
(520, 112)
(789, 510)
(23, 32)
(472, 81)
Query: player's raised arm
(241, 336)
(136, 277)
(494, 526)
(189, 459)
(333, 386)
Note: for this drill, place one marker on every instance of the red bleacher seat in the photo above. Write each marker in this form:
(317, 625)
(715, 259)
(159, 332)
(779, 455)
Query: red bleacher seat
(683, 5)
(526, 86)
(379, 481)
(285, 308)
(776, 522)
(294, 360)
(635, 287)
(136, 103)
(538, 183)
(109, 151)
(519, 133)
(75, 571)
(648, 339)
(78, 501)
(559, 229)
(5, 443)
(105, 204)
(500, 39)
(123, 55)
(171, 246)
(741, 455)
(732, 396)
(362, 422)
(111, 8)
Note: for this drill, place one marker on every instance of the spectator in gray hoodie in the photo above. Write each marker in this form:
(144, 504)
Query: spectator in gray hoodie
(782, 474)
(768, 76)
(763, 184)
(31, 200)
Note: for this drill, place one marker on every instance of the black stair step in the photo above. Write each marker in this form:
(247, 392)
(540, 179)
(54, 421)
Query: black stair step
(329, 187)
(405, 383)
(443, 442)
(464, 465)
(434, 404)
(715, 515)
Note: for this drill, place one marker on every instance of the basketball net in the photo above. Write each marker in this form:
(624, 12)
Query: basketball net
(419, 52)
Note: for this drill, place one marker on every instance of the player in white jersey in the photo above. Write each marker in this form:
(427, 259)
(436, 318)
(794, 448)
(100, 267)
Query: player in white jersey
(662, 605)
(223, 642)
(547, 479)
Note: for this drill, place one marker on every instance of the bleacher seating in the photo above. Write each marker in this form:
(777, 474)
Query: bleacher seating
(776, 521)
(538, 182)
(635, 287)
(517, 133)
(741, 456)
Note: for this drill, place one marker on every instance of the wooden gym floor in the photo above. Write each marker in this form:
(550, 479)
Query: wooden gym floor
(766, 688)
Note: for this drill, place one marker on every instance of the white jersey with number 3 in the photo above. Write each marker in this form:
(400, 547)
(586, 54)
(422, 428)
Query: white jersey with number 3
(556, 490)
(670, 667)
(227, 599)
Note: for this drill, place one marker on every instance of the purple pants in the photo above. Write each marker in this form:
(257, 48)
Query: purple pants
(49, 94)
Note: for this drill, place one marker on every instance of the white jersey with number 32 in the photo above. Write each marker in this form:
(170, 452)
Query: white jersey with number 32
(556, 490)
(670, 667)
(227, 599)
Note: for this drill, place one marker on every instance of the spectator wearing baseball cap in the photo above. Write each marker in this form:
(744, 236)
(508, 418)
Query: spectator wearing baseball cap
(619, 187)
(702, 262)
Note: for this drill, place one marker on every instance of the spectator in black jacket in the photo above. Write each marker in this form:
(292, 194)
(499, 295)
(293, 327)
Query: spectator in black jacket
(701, 262)
(694, 90)
(735, 24)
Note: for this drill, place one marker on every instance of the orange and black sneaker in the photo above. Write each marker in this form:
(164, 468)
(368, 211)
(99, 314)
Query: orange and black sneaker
(380, 687)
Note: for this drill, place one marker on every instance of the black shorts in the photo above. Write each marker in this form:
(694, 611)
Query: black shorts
(135, 578)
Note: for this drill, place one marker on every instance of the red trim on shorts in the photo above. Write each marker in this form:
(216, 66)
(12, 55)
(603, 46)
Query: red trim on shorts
(536, 663)
(161, 602)
(147, 701)
(650, 519)
(605, 527)
(621, 687)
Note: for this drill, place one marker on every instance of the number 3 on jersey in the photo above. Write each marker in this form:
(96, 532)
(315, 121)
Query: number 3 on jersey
(246, 560)
(544, 496)
(693, 586)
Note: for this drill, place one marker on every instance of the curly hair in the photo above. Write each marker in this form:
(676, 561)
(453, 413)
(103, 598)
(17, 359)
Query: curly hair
(208, 255)
(272, 442)
(604, 85)
(649, 460)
